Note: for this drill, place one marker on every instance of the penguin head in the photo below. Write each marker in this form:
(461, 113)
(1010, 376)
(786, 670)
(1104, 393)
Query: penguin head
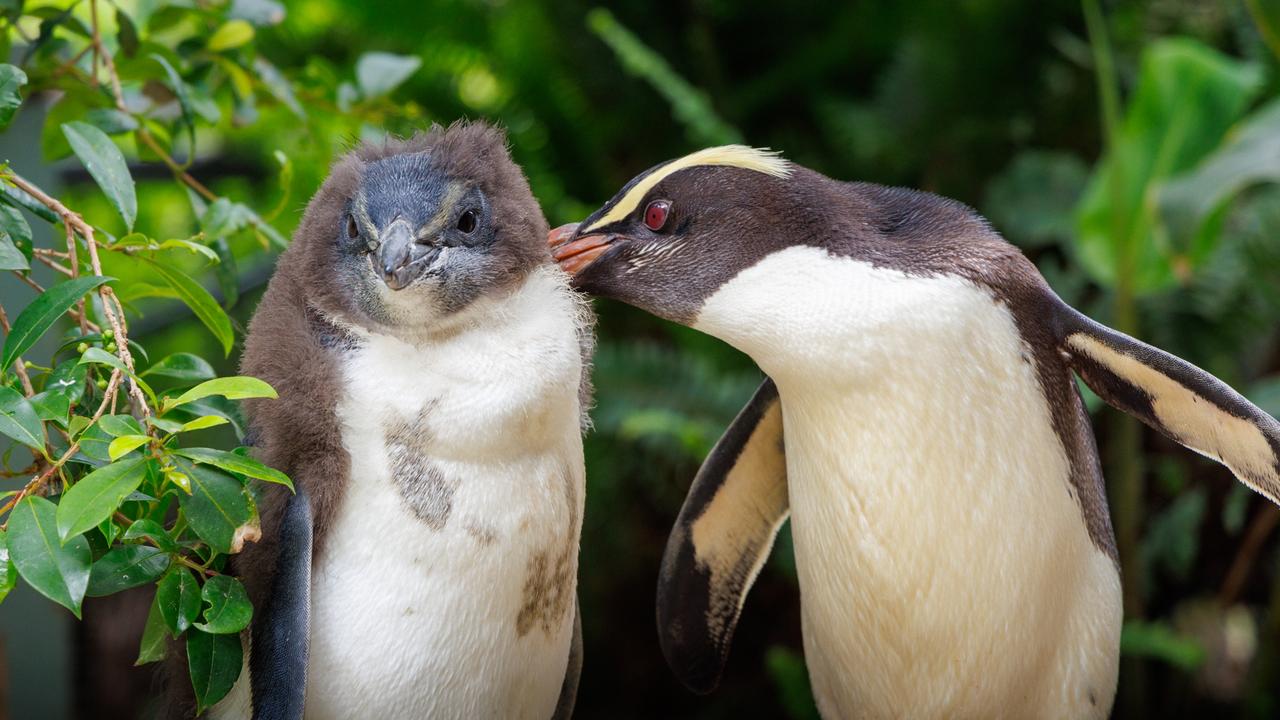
(679, 230)
(408, 234)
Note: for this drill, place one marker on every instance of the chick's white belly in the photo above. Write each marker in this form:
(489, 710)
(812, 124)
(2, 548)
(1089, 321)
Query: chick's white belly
(409, 621)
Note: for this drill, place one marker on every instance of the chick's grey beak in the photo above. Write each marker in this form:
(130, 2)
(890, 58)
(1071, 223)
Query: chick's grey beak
(396, 256)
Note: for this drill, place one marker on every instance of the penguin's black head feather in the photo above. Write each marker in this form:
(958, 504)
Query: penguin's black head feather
(408, 233)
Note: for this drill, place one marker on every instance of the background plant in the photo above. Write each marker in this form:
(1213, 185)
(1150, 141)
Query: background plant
(1128, 147)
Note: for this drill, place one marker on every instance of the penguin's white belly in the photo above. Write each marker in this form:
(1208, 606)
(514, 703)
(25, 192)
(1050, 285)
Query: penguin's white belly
(446, 585)
(944, 568)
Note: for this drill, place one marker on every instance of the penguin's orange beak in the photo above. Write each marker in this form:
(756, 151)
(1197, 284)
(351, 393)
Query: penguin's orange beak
(575, 253)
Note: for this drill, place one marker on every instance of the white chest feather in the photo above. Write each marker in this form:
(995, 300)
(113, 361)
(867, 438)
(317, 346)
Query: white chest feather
(944, 569)
(446, 586)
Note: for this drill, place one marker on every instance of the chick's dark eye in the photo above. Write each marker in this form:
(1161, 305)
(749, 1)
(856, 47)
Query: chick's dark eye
(353, 230)
(467, 222)
(655, 214)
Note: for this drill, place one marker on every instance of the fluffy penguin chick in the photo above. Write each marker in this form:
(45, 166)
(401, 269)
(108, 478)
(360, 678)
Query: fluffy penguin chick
(953, 546)
(431, 362)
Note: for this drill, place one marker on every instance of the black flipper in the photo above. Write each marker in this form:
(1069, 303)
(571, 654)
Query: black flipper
(1177, 399)
(278, 653)
(572, 673)
(734, 509)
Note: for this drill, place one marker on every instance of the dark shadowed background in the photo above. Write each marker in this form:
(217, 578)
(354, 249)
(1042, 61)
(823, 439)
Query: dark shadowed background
(1017, 108)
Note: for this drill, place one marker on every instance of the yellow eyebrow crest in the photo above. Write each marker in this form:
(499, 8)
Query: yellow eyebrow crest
(766, 161)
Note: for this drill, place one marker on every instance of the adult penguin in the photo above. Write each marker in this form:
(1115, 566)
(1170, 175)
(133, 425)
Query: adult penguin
(953, 545)
(430, 362)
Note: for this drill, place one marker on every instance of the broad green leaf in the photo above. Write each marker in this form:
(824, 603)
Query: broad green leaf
(238, 387)
(111, 121)
(228, 609)
(42, 313)
(11, 258)
(153, 643)
(278, 85)
(227, 273)
(50, 407)
(378, 73)
(1140, 638)
(200, 302)
(1187, 97)
(190, 246)
(19, 420)
(214, 662)
(183, 94)
(15, 198)
(126, 566)
(182, 366)
(232, 462)
(178, 597)
(8, 573)
(1251, 155)
(215, 405)
(218, 508)
(11, 79)
(231, 35)
(106, 164)
(202, 422)
(97, 495)
(117, 425)
(67, 381)
(223, 218)
(94, 443)
(151, 530)
(102, 357)
(125, 444)
(59, 571)
(14, 225)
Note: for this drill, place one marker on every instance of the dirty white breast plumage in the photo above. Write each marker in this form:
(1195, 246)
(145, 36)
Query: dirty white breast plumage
(945, 571)
(450, 592)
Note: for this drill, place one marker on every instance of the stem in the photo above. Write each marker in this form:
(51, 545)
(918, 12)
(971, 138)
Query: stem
(18, 366)
(1241, 567)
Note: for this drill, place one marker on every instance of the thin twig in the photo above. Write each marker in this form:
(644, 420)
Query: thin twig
(1241, 567)
(18, 366)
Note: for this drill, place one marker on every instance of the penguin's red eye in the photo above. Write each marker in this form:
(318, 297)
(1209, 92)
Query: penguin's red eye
(655, 215)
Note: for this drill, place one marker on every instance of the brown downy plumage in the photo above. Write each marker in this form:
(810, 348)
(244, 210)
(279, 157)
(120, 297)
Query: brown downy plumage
(298, 329)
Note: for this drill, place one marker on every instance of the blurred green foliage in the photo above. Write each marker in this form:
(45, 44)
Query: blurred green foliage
(1129, 156)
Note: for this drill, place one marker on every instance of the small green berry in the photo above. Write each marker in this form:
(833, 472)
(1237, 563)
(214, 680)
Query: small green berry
(82, 348)
(108, 334)
(111, 347)
(28, 364)
(102, 384)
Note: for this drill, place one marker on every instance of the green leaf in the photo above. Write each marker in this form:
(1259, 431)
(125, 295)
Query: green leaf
(1187, 97)
(97, 495)
(190, 246)
(19, 420)
(378, 73)
(126, 566)
(11, 258)
(215, 405)
(42, 313)
(106, 164)
(200, 302)
(1139, 638)
(231, 35)
(58, 571)
(202, 422)
(215, 662)
(232, 462)
(125, 444)
(178, 597)
(94, 443)
(14, 226)
(224, 218)
(65, 385)
(228, 608)
(15, 198)
(226, 272)
(8, 573)
(238, 387)
(182, 366)
(102, 357)
(183, 94)
(278, 86)
(152, 530)
(118, 425)
(218, 510)
(11, 79)
(152, 647)
(111, 121)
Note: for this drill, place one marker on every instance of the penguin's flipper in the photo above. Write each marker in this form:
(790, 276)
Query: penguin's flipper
(278, 653)
(1178, 399)
(734, 509)
(569, 690)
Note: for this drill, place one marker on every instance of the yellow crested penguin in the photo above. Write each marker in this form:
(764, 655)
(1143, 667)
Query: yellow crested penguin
(953, 545)
(431, 363)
